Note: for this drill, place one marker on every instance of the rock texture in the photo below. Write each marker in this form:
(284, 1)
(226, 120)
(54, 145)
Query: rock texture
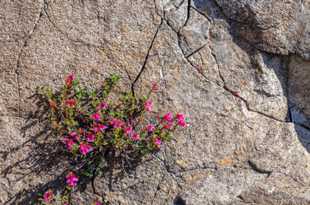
(238, 68)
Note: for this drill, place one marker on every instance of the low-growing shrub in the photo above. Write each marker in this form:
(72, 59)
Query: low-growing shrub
(104, 126)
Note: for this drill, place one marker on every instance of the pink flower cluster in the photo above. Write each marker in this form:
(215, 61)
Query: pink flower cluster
(102, 106)
(90, 137)
(95, 117)
(148, 105)
(85, 148)
(168, 118)
(89, 127)
(97, 127)
(157, 142)
(117, 123)
(48, 196)
(150, 128)
(69, 143)
(135, 137)
(74, 140)
(181, 120)
(129, 132)
(72, 179)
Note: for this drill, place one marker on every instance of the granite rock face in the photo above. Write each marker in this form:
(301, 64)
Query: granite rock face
(238, 68)
(280, 27)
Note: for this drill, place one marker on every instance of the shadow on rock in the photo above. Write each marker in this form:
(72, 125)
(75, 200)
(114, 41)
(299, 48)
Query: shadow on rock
(47, 157)
(290, 70)
(44, 154)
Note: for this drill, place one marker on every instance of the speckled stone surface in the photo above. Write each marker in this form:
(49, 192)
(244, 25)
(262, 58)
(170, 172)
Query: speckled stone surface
(238, 69)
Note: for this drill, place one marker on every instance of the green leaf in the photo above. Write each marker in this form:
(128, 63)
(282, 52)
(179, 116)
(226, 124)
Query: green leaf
(75, 149)
(115, 78)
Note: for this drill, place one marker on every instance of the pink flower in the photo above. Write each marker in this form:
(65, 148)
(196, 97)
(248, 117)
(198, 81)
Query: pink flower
(98, 203)
(128, 131)
(181, 120)
(72, 179)
(168, 117)
(150, 128)
(148, 105)
(117, 123)
(102, 127)
(102, 106)
(90, 137)
(69, 80)
(135, 137)
(95, 116)
(73, 134)
(157, 142)
(85, 148)
(69, 143)
(48, 196)
(99, 128)
(70, 103)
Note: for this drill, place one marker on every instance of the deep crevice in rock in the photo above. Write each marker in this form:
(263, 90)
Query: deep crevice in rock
(146, 58)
